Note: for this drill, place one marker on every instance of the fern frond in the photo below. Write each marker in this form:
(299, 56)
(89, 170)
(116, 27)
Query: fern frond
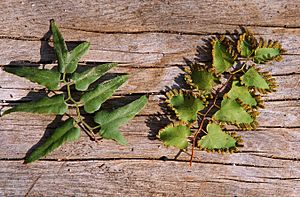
(246, 44)
(267, 51)
(223, 55)
(201, 78)
(230, 91)
(185, 105)
(263, 82)
(217, 140)
(175, 134)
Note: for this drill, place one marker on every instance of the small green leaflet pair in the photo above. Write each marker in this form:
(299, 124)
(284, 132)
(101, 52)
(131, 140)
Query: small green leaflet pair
(107, 123)
(225, 91)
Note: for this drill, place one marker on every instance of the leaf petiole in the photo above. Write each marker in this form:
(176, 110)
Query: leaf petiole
(239, 70)
(86, 127)
(96, 127)
(64, 77)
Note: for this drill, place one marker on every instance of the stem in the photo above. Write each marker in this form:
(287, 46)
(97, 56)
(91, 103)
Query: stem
(64, 77)
(85, 126)
(69, 94)
(217, 106)
(204, 116)
(241, 69)
(96, 127)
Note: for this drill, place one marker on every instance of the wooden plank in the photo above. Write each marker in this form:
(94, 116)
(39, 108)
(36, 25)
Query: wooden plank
(20, 133)
(202, 17)
(151, 80)
(278, 114)
(147, 50)
(149, 39)
(147, 178)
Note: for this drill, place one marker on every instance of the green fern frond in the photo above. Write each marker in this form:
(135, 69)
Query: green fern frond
(175, 134)
(185, 105)
(267, 51)
(223, 55)
(232, 112)
(217, 139)
(230, 91)
(62, 103)
(201, 78)
(262, 82)
(246, 44)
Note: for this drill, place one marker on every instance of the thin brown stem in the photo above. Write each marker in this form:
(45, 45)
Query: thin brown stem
(217, 106)
(204, 116)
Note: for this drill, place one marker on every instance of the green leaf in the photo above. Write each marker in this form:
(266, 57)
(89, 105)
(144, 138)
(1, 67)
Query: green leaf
(67, 61)
(93, 99)
(175, 135)
(66, 133)
(267, 51)
(185, 106)
(47, 78)
(245, 48)
(203, 80)
(47, 105)
(253, 79)
(223, 59)
(60, 47)
(216, 139)
(74, 56)
(111, 121)
(231, 111)
(241, 92)
(245, 45)
(84, 79)
(264, 54)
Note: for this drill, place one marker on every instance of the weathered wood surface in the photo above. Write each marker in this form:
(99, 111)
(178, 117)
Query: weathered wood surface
(149, 39)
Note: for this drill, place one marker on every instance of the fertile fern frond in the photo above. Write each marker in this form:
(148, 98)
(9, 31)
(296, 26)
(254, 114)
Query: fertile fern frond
(229, 93)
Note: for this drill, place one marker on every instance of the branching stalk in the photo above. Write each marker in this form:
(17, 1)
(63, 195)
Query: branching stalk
(204, 116)
(85, 126)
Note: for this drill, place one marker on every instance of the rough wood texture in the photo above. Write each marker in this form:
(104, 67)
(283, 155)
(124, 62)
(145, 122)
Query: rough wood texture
(149, 39)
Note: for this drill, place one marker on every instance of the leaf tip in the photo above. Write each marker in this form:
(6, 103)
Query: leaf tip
(6, 112)
(29, 159)
(26, 161)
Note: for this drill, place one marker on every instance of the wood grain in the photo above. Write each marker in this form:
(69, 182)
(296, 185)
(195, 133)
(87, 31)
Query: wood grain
(154, 80)
(145, 49)
(149, 40)
(268, 139)
(148, 178)
(135, 16)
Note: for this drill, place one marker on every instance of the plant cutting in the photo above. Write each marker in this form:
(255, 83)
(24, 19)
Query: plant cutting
(223, 95)
(62, 83)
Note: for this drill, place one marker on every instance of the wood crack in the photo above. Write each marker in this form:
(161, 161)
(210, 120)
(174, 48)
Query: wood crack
(281, 178)
(243, 181)
(161, 159)
(278, 127)
(153, 93)
(286, 99)
(285, 74)
(181, 32)
(32, 185)
(23, 38)
(34, 38)
(135, 52)
(278, 157)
